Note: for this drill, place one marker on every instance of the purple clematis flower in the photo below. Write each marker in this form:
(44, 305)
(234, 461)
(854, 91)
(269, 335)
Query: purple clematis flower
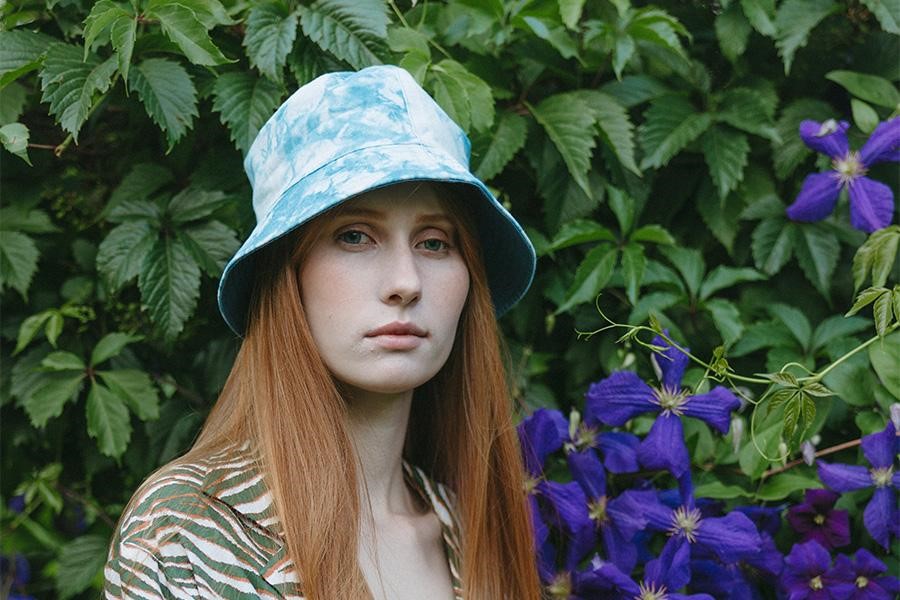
(808, 574)
(817, 519)
(881, 516)
(871, 202)
(870, 581)
(623, 395)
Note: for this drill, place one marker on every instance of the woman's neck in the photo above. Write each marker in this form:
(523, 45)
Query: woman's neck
(377, 424)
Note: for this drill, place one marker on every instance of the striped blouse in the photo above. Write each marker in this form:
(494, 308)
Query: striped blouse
(208, 529)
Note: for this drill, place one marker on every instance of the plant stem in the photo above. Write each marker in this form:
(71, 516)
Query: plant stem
(821, 374)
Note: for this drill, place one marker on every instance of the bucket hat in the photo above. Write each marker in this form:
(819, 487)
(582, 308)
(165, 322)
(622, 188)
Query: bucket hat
(346, 133)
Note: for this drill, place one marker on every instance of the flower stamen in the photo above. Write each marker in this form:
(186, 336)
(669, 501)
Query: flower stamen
(685, 521)
(671, 401)
(649, 591)
(862, 582)
(597, 510)
(881, 477)
(816, 583)
(561, 587)
(849, 167)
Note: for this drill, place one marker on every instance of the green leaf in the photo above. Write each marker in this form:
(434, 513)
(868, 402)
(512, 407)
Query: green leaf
(191, 204)
(795, 321)
(12, 102)
(732, 30)
(122, 34)
(882, 312)
(570, 11)
(102, 16)
(136, 388)
(108, 421)
(635, 89)
(791, 152)
(615, 126)
(794, 21)
(656, 234)
(670, 124)
(690, 264)
(63, 361)
(592, 275)
(569, 123)
(506, 141)
(727, 319)
(170, 285)
(722, 217)
(864, 115)
(762, 334)
(211, 244)
(726, 154)
(208, 12)
(654, 302)
(761, 14)
(783, 485)
(404, 39)
(887, 12)
(554, 34)
(867, 297)
(580, 231)
(352, 30)
(20, 52)
(111, 345)
(472, 100)
(885, 356)
(720, 491)
(752, 463)
(772, 244)
(792, 409)
(633, 265)
(870, 88)
(14, 137)
(168, 94)
(836, 327)
(48, 397)
(29, 329)
(122, 252)
(18, 261)
(748, 110)
(141, 182)
(180, 24)
(622, 206)
(244, 103)
(876, 255)
(80, 561)
(817, 250)
(24, 220)
(724, 277)
(70, 83)
(271, 30)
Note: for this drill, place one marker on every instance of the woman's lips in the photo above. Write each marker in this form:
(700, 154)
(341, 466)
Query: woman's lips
(398, 336)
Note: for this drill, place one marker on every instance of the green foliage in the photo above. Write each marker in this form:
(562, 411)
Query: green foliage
(649, 149)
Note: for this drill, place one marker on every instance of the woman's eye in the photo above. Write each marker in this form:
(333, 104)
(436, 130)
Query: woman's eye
(435, 245)
(353, 237)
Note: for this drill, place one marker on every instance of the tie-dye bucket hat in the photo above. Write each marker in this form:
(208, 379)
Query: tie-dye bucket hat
(346, 133)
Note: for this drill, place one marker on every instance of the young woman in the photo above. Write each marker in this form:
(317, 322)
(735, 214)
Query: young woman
(362, 446)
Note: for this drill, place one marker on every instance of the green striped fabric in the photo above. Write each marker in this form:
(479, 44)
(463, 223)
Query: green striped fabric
(208, 530)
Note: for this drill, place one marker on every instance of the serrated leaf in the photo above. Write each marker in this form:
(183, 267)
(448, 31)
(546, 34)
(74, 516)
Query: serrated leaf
(670, 124)
(817, 250)
(882, 312)
(887, 12)
(622, 205)
(554, 34)
(136, 388)
(12, 103)
(141, 182)
(772, 244)
(876, 255)
(749, 110)
(614, 125)
(101, 17)
(465, 96)
(870, 88)
(762, 334)
(592, 275)
(123, 251)
(123, 34)
(783, 485)
(181, 25)
(208, 12)
(724, 277)
(29, 328)
(25, 220)
(570, 11)
(656, 234)
(865, 298)
(633, 266)
(793, 22)
(79, 563)
(107, 420)
(726, 154)
(170, 285)
(191, 204)
(352, 30)
(20, 52)
(47, 399)
(14, 137)
(70, 83)
(727, 319)
(690, 265)
(569, 123)
(211, 244)
(836, 327)
(795, 321)
(761, 14)
(270, 35)
(787, 155)
(405, 39)
(792, 415)
(244, 103)
(783, 378)
(18, 261)
(63, 361)
(506, 141)
(722, 216)
(885, 356)
(635, 89)
(168, 94)
(111, 345)
(580, 231)
(817, 389)
(732, 30)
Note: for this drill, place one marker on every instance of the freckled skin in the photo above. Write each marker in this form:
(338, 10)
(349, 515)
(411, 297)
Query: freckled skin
(366, 271)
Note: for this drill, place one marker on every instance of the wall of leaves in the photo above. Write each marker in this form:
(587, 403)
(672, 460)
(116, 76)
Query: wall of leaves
(650, 149)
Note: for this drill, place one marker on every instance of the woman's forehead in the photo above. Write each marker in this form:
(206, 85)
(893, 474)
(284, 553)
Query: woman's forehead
(417, 197)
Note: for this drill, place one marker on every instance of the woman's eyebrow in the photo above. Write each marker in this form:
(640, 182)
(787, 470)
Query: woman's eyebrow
(379, 215)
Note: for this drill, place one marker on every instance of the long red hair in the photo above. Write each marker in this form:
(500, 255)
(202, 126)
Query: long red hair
(281, 397)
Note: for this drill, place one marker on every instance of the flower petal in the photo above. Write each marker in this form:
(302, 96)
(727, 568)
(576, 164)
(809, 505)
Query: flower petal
(807, 560)
(714, 407)
(619, 549)
(617, 398)
(672, 362)
(605, 577)
(619, 451)
(570, 515)
(657, 515)
(766, 518)
(883, 145)
(545, 551)
(768, 559)
(828, 138)
(844, 478)
(588, 471)
(664, 448)
(865, 563)
(880, 516)
(880, 448)
(732, 537)
(817, 198)
(541, 434)
(672, 568)
(871, 204)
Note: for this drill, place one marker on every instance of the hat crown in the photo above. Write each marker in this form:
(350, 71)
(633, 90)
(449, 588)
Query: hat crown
(341, 113)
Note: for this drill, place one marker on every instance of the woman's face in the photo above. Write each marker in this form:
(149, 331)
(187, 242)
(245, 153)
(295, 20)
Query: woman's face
(383, 287)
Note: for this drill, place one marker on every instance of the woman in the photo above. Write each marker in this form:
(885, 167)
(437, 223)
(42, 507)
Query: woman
(369, 371)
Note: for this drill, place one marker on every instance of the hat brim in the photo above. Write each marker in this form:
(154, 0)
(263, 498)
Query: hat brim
(508, 254)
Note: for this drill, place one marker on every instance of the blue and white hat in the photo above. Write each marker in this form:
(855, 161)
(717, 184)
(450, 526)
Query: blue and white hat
(347, 133)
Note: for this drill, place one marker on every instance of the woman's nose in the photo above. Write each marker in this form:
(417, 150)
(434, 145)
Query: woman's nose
(402, 282)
